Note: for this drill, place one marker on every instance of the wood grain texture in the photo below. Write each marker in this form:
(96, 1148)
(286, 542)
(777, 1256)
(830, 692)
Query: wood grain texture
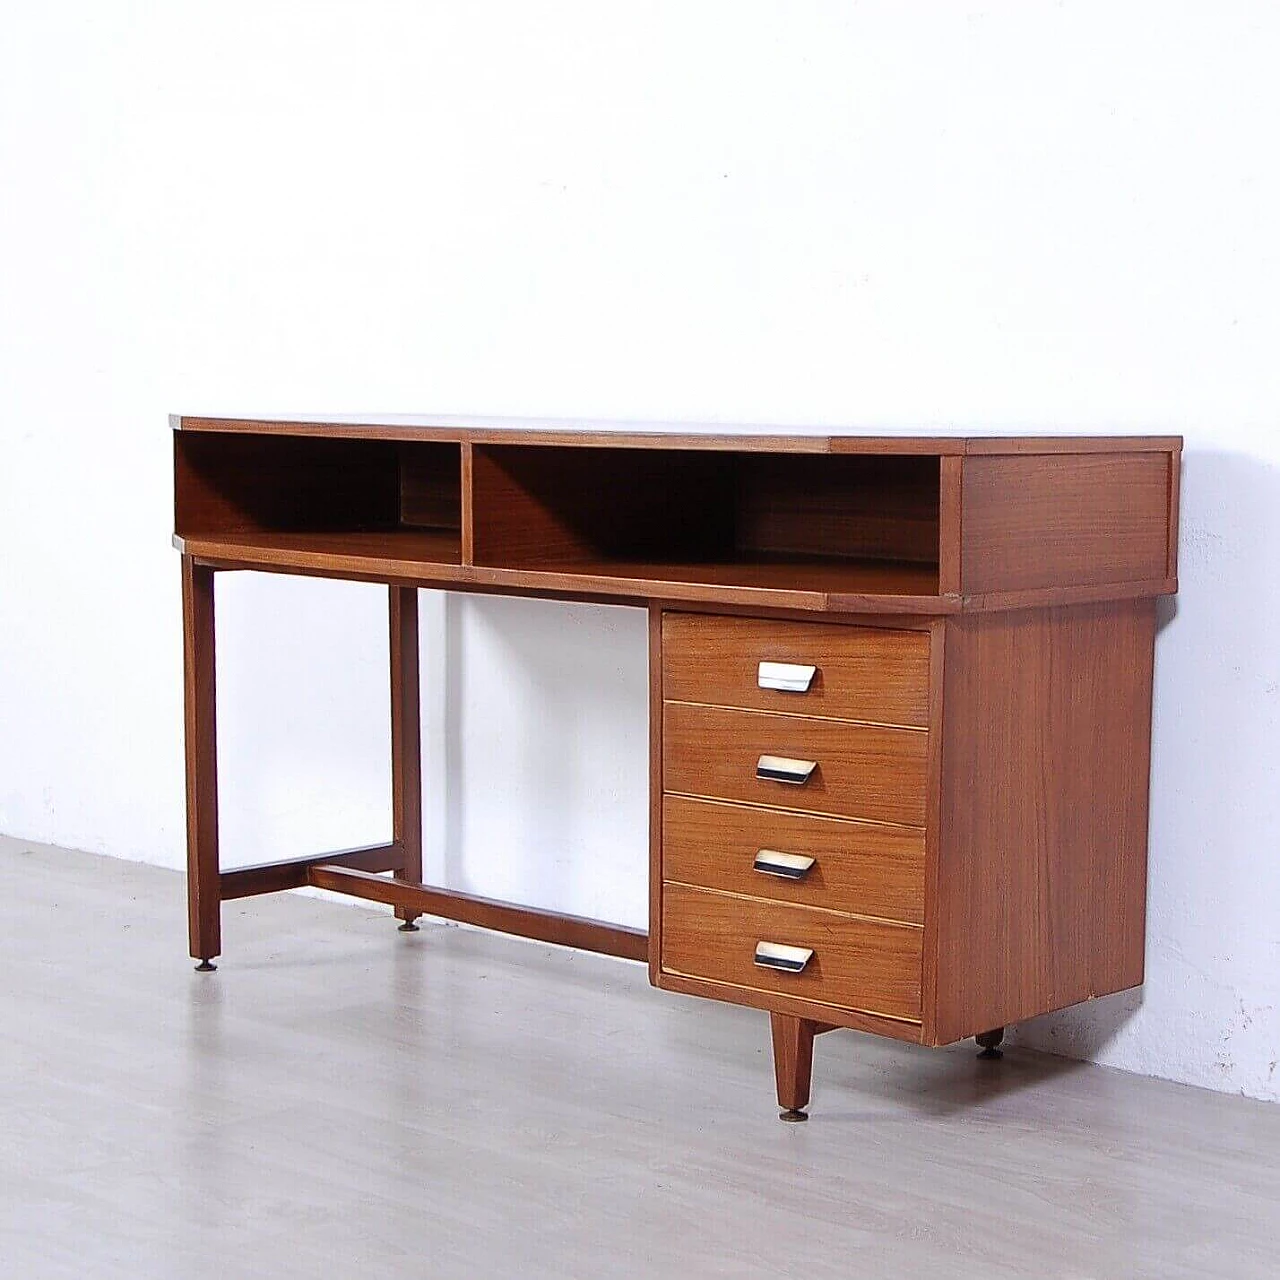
(888, 621)
(460, 578)
(433, 558)
(861, 867)
(817, 585)
(850, 592)
(857, 964)
(538, 506)
(1048, 597)
(1033, 522)
(430, 478)
(933, 804)
(569, 433)
(406, 737)
(1041, 876)
(904, 1029)
(950, 524)
(467, 507)
(792, 1059)
(877, 676)
(200, 703)
(1048, 445)
(291, 873)
(239, 484)
(504, 917)
(864, 771)
(855, 506)
(681, 521)
(425, 555)
(657, 807)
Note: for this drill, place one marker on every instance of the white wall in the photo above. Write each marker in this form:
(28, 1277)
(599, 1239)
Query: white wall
(1029, 215)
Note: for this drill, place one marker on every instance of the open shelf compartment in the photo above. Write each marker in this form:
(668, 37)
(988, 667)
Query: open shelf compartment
(849, 526)
(281, 500)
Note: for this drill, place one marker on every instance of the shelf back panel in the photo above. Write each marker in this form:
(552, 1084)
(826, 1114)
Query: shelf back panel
(877, 507)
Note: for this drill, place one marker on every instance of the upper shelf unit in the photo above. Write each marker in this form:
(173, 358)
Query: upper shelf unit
(837, 524)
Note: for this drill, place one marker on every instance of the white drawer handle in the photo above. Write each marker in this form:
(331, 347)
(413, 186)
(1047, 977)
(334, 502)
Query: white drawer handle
(784, 769)
(790, 866)
(773, 955)
(790, 677)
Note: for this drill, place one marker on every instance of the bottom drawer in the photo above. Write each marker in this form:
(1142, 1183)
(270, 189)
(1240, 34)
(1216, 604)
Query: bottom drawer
(856, 963)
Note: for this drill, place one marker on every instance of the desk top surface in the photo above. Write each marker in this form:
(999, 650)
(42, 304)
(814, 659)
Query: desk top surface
(752, 437)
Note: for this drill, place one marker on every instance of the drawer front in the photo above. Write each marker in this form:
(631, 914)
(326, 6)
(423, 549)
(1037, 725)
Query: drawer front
(860, 867)
(861, 771)
(856, 964)
(860, 673)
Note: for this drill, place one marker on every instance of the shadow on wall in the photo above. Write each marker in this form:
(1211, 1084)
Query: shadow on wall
(1208, 1011)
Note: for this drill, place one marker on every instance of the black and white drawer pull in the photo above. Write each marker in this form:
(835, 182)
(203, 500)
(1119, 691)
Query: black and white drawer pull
(773, 955)
(790, 866)
(784, 769)
(789, 677)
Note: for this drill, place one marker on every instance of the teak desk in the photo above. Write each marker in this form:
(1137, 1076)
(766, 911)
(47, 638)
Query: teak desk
(900, 692)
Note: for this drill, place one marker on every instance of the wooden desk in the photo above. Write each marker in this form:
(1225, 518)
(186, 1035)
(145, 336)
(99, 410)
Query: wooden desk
(900, 692)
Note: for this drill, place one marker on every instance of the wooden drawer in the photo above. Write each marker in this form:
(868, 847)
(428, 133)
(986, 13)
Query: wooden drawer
(856, 964)
(862, 673)
(860, 867)
(863, 771)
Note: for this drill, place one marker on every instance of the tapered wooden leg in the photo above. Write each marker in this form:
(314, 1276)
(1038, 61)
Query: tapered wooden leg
(406, 741)
(204, 905)
(793, 1062)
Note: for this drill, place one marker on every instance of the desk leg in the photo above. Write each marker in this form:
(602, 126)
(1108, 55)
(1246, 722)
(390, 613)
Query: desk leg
(793, 1062)
(204, 902)
(406, 742)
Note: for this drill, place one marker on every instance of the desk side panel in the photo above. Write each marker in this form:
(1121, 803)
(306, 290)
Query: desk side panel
(655, 793)
(1039, 892)
(1034, 522)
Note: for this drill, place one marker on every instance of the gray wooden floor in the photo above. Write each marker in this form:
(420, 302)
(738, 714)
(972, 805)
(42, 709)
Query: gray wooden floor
(344, 1100)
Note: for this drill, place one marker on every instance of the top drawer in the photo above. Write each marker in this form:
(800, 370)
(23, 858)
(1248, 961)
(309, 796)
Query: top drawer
(860, 673)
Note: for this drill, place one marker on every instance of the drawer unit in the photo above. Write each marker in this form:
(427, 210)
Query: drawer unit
(794, 800)
(858, 770)
(854, 963)
(861, 867)
(850, 673)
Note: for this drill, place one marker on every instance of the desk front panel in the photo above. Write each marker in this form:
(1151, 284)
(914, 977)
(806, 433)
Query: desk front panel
(873, 675)
(862, 771)
(854, 963)
(862, 867)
